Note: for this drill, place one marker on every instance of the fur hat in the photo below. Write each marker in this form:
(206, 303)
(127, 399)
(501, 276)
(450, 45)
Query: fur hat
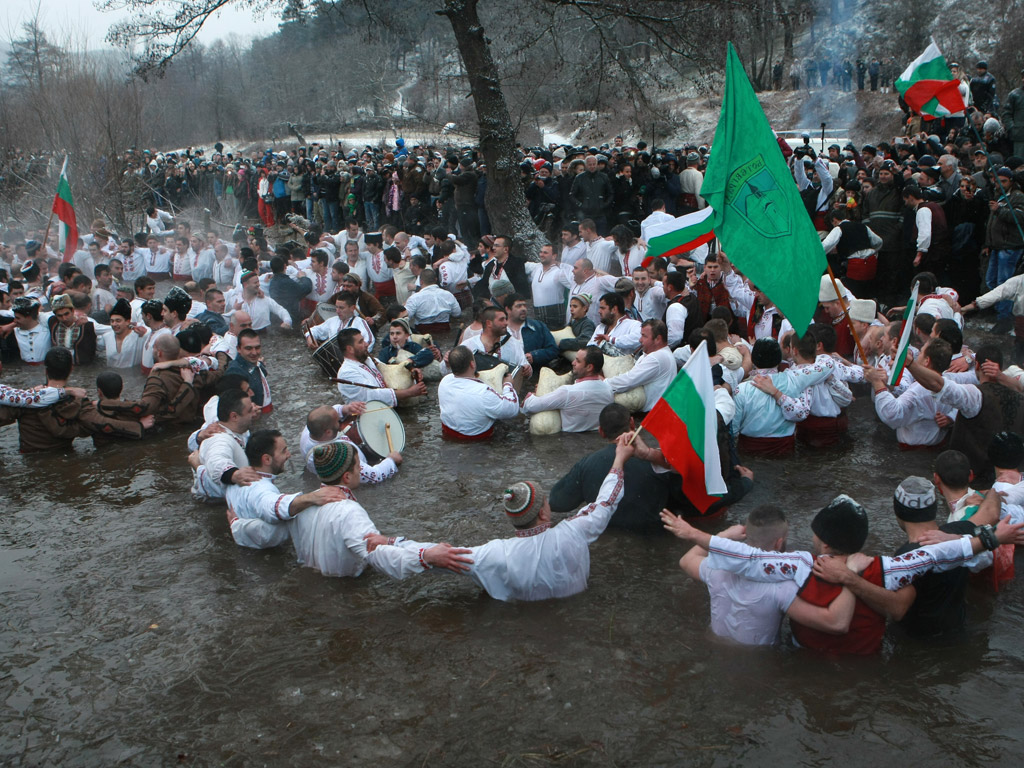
(863, 310)
(842, 525)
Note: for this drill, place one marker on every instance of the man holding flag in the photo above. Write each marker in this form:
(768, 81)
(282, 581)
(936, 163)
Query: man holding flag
(64, 207)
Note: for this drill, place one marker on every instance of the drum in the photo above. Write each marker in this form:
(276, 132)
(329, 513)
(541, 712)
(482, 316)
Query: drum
(327, 357)
(326, 311)
(375, 426)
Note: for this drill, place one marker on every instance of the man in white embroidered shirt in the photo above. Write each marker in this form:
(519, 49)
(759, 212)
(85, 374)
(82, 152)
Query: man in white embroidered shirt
(336, 537)
(580, 403)
(616, 328)
(431, 307)
(261, 501)
(545, 561)
(469, 407)
(359, 379)
(346, 307)
(655, 369)
(751, 612)
(915, 414)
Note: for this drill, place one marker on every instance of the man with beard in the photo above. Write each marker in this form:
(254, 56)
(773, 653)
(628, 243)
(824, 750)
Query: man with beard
(581, 402)
(359, 378)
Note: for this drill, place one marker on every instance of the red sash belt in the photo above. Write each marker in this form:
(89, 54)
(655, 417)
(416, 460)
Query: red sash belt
(823, 431)
(937, 446)
(433, 328)
(267, 409)
(770, 447)
(387, 288)
(181, 278)
(451, 434)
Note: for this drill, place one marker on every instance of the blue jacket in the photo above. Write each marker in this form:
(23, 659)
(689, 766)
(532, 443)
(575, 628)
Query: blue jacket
(538, 341)
(421, 356)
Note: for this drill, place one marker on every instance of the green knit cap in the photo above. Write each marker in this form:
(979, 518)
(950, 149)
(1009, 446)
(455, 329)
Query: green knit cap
(333, 460)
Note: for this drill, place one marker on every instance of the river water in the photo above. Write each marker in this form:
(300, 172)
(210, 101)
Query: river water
(135, 632)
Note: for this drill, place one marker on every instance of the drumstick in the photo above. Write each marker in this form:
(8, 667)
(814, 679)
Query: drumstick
(387, 434)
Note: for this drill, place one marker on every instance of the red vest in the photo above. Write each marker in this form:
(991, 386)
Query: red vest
(866, 628)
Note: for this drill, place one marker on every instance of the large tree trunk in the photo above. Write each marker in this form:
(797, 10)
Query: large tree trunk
(506, 203)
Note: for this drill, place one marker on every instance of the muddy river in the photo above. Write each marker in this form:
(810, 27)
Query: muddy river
(135, 632)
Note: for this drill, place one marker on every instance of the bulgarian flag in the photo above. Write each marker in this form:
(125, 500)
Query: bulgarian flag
(682, 234)
(64, 207)
(685, 423)
(928, 86)
(906, 331)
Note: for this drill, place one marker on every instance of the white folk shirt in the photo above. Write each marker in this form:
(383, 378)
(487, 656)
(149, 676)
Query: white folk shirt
(31, 398)
(264, 502)
(130, 353)
(134, 265)
(33, 344)
(651, 304)
(602, 254)
(624, 335)
(432, 304)
(147, 345)
(470, 407)
(912, 415)
(763, 327)
(360, 269)
(323, 286)
(757, 565)
(218, 453)
(675, 320)
(377, 268)
(573, 253)
(546, 561)
(366, 383)
(829, 397)
(510, 352)
(158, 261)
(656, 218)
(741, 298)
(331, 539)
(749, 612)
(369, 474)
(580, 404)
(260, 310)
(228, 344)
(548, 285)
(654, 372)
(332, 326)
(182, 262)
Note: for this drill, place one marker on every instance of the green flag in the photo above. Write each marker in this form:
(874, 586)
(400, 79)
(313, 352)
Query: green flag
(759, 217)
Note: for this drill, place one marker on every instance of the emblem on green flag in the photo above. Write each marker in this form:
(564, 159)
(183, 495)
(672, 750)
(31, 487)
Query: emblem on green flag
(754, 194)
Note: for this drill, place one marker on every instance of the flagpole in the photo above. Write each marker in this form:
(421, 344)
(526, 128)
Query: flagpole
(842, 303)
(635, 434)
(46, 237)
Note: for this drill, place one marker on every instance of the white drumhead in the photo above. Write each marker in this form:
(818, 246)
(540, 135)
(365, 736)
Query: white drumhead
(372, 426)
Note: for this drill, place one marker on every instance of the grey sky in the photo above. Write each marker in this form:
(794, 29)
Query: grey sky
(79, 20)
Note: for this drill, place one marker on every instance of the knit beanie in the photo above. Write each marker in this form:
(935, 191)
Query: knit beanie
(333, 460)
(842, 525)
(523, 502)
(914, 500)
